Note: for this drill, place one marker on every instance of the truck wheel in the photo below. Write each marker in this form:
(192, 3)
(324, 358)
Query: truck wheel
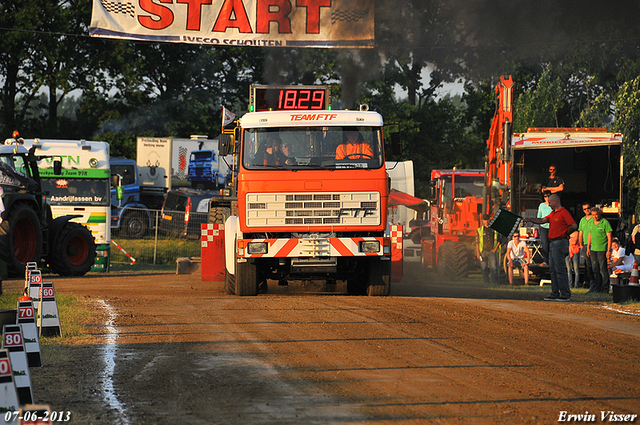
(217, 215)
(246, 279)
(20, 239)
(229, 283)
(379, 277)
(74, 251)
(357, 285)
(134, 224)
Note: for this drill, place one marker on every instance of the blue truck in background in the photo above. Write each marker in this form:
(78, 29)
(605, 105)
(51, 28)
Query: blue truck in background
(208, 170)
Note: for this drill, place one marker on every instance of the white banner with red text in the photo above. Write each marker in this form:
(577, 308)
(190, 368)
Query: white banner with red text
(270, 23)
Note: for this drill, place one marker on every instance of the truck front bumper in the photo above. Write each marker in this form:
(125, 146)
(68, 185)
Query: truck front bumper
(314, 247)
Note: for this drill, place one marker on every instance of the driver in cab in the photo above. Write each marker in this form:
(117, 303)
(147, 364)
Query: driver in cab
(354, 148)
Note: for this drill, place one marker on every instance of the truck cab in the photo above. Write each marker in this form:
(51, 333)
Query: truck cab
(309, 209)
(205, 170)
(129, 215)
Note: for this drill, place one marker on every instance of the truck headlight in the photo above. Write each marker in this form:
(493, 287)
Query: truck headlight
(369, 246)
(257, 248)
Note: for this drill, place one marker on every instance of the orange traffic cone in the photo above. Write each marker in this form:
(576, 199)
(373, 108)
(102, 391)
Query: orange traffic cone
(633, 279)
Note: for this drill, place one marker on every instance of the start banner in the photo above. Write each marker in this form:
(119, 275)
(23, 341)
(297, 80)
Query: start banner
(270, 23)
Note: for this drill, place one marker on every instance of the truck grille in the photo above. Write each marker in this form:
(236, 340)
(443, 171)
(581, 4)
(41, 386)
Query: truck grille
(313, 209)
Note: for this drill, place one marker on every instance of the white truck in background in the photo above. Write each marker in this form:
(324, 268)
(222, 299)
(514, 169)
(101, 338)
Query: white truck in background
(401, 175)
(80, 190)
(402, 180)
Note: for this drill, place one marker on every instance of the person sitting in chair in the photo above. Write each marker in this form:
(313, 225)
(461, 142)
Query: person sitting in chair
(354, 148)
(518, 256)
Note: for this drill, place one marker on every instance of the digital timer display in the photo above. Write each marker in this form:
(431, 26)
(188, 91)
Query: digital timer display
(290, 98)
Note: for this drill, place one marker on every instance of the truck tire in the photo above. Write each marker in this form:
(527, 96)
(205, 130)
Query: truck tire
(453, 260)
(379, 283)
(357, 284)
(74, 251)
(246, 279)
(20, 239)
(217, 215)
(229, 283)
(134, 224)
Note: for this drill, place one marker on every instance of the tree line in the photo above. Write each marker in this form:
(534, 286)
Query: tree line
(575, 64)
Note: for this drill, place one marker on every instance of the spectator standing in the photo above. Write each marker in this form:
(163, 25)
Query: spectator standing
(553, 184)
(487, 245)
(561, 224)
(635, 235)
(544, 210)
(584, 229)
(518, 255)
(573, 260)
(599, 250)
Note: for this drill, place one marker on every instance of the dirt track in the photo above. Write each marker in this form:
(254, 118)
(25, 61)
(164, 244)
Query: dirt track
(185, 352)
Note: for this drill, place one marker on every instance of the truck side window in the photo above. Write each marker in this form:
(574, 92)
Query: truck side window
(127, 172)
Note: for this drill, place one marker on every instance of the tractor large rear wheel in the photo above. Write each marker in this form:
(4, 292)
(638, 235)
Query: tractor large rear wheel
(20, 239)
(74, 251)
(454, 260)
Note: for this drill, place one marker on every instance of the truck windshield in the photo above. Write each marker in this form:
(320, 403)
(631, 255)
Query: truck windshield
(465, 186)
(88, 192)
(312, 147)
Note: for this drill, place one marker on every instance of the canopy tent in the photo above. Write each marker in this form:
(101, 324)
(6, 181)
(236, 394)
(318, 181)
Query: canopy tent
(400, 198)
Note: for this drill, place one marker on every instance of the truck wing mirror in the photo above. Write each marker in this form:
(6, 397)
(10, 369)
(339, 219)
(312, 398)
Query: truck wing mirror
(396, 144)
(433, 189)
(225, 144)
(57, 167)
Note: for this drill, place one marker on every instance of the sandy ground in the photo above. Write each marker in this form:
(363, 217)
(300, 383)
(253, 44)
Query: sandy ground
(169, 348)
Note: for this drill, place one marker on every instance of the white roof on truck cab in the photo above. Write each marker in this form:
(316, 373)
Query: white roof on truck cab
(11, 149)
(557, 138)
(327, 118)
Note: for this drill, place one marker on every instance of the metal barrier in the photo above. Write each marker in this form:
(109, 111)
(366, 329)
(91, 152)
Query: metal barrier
(164, 241)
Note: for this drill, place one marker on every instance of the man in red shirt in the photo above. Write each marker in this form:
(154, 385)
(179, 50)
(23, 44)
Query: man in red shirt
(561, 225)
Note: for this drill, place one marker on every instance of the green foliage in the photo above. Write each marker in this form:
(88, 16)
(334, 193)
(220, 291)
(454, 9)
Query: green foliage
(539, 107)
(627, 112)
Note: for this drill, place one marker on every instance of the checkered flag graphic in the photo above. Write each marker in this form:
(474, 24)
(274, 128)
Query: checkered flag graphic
(348, 15)
(182, 163)
(117, 7)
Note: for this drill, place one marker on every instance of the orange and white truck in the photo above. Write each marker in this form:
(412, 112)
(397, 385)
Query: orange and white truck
(302, 213)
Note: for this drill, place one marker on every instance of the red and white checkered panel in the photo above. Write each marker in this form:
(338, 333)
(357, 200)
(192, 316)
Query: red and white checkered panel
(209, 231)
(396, 236)
(212, 252)
(397, 269)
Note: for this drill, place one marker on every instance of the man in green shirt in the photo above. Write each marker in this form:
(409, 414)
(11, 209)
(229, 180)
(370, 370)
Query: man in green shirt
(599, 250)
(584, 228)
